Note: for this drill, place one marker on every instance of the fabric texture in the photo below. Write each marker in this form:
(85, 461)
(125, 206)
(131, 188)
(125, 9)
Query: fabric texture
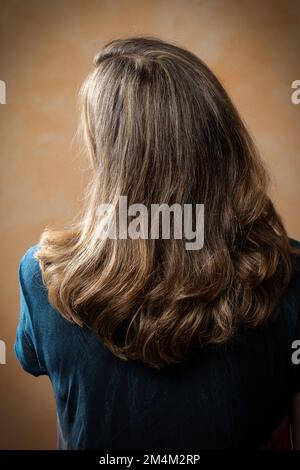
(227, 397)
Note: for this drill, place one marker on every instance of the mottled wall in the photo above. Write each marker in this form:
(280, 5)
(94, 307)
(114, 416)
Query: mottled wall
(46, 48)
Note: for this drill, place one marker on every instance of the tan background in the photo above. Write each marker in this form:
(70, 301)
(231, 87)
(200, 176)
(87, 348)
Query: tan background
(46, 49)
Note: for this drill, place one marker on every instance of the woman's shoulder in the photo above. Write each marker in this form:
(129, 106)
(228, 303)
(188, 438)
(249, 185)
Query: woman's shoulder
(29, 268)
(28, 258)
(33, 300)
(30, 276)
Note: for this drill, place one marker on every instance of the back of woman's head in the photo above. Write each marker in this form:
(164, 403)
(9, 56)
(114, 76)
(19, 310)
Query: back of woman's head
(160, 129)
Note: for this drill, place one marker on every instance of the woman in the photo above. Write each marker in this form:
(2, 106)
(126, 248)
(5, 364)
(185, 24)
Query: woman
(149, 344)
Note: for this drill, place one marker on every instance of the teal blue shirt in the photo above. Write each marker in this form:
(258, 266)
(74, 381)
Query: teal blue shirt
(231, 396)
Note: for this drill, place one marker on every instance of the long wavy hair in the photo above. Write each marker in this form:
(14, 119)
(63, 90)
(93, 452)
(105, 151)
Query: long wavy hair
(159, 128)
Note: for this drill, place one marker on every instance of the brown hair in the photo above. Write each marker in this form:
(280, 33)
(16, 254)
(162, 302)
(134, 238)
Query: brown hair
(159, 127)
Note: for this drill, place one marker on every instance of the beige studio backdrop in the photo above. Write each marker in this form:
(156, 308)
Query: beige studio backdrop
(46, 49)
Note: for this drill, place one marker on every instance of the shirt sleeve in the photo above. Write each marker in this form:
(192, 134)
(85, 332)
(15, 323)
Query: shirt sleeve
(26, 340)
